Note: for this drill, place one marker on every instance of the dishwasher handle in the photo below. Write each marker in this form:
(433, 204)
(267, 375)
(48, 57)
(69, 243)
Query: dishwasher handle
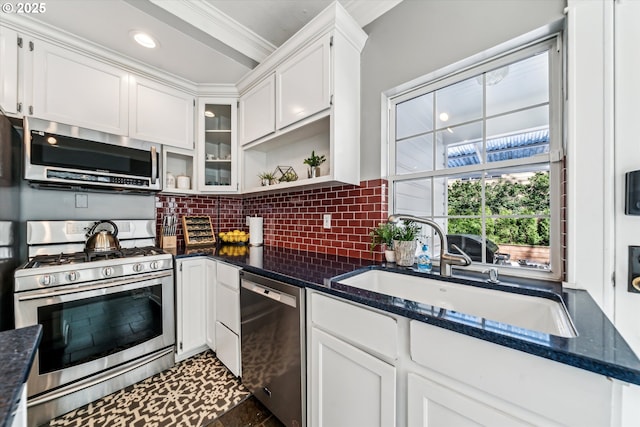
(268, 292)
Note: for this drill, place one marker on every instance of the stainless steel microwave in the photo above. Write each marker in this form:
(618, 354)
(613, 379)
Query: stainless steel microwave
(63, 156)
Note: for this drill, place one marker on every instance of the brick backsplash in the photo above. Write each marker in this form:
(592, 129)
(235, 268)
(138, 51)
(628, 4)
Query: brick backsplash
(294, 220)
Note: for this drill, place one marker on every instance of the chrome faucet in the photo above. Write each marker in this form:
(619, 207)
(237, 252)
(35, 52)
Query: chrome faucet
(447, 259)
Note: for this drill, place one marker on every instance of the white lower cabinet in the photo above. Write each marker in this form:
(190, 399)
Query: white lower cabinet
(349, 383)
(191, 309)
(228, 348)
(348, 386)
(208, 310)
(369, 367)
(228, 316)
(20, 416)
(210, 294)
(430, 403)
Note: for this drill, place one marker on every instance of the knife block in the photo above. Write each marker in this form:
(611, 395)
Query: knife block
(167, 242)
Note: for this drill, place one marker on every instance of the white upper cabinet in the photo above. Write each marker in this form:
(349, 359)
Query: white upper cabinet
(316, 105)
(303, 83)
(77, 90)
(217, 148)
(9, 70)
(258, 110)
(160, 113)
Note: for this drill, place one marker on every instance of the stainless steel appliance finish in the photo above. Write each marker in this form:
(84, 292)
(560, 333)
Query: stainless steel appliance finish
(12, 252)
(273, 346)
(61, 156)
(107, 316)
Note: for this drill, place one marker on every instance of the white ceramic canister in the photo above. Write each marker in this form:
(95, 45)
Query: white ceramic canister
(184, 182)
(171, 180)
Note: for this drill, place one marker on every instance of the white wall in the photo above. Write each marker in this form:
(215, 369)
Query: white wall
(420, 36)
(603, 91)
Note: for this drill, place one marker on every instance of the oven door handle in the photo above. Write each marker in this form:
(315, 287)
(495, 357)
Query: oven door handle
(47, 293)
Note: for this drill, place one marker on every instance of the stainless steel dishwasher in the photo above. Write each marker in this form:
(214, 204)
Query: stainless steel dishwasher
(272, 318)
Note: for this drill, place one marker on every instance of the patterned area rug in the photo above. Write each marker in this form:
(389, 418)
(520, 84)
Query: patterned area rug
(194, 392)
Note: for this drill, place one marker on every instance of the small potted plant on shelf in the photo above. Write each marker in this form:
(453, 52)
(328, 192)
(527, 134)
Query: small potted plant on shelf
(267, 178)
(405, 242)
(383, 235)
(314, 163)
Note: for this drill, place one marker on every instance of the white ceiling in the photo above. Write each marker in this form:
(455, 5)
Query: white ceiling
(202, 41)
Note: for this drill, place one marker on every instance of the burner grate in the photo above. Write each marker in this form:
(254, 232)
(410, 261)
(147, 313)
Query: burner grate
(89, 256)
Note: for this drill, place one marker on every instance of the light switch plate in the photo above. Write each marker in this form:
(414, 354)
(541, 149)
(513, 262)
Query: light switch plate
(326, 221)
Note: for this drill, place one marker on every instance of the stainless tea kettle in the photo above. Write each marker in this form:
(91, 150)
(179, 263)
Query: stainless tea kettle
(102, 240)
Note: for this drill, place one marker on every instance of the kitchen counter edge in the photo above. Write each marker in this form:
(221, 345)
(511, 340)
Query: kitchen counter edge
(589, 351)
(19, 348)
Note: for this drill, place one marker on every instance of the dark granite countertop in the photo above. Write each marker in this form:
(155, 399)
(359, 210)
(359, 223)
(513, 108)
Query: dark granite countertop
(17, 350)
(598, 348)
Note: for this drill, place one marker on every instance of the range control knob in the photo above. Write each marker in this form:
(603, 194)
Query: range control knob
(46, 280)
(107, 271)
(154, 265)
(138, 267)
(72, 276)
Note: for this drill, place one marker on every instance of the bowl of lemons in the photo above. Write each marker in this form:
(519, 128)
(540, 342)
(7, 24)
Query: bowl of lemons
(235, 236)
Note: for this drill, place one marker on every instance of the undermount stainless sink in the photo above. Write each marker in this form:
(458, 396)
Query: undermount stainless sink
(535, 313)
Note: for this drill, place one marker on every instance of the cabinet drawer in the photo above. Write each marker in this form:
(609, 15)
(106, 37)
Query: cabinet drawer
(228, 276)
(228, 348)
(358, 325)
(228, 307)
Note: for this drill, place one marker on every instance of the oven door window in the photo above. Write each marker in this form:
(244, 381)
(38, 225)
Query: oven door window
(80, 331)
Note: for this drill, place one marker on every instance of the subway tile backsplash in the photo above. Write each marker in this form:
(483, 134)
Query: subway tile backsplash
(295, 219)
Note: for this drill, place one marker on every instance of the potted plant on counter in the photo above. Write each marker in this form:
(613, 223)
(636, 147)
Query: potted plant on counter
(383, 235)
(405, 242)
(314, 163)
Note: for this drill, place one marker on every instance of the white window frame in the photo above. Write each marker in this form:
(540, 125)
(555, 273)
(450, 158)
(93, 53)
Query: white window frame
(547, 39)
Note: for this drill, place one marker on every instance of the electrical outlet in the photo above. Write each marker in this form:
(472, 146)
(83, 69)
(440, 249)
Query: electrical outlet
(326, 221)
(247, 220)
(82, 201)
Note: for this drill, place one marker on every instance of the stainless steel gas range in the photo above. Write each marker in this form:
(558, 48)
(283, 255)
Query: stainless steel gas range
(107, 316)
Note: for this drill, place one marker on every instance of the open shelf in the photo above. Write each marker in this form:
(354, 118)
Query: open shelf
(288, 149)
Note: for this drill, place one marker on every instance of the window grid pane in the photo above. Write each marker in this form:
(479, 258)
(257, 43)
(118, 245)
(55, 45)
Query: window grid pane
(498, 215)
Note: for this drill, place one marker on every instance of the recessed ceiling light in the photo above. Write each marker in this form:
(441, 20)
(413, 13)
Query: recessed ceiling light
(144, 39)
(444, 117)
(209, 114)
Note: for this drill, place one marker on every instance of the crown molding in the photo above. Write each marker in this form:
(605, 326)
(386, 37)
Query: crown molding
(333, 17)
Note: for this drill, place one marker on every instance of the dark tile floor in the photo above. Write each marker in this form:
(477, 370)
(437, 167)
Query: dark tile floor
(249, 413)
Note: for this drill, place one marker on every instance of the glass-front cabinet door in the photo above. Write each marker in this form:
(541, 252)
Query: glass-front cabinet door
(217, 148)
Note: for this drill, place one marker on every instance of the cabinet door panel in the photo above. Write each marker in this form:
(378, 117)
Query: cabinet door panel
(74, 89)
(228, 348)
(210, 291)
(9, 70)
(160, 114)
(191, 305)
(228, 307)
(257, 111)
(433, 404)
(348, 386)
(229, 276)
(303, 84)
